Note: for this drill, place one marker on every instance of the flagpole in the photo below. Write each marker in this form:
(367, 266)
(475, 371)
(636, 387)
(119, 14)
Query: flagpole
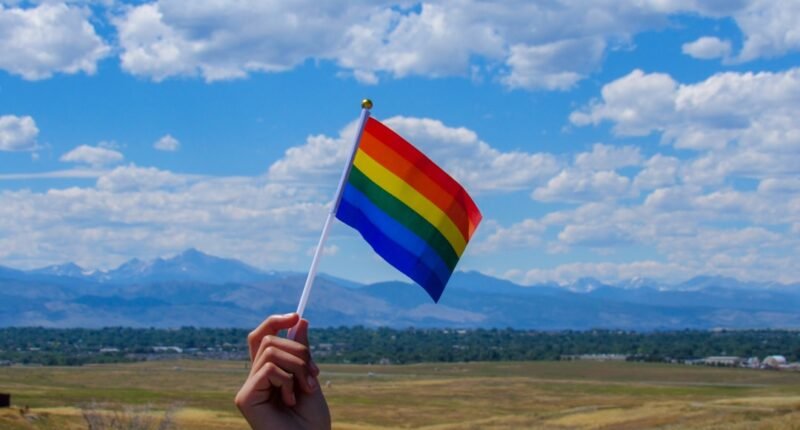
(366, 105)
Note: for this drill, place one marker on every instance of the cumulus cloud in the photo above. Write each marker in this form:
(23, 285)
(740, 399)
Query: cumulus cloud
(550, 45)
(623, 103)
(607, 272)
(143, 211)
(525, 45)
(525, 234)
(553, 66)
(458, 150)
(49, 38)
(741, 124)
(689, 230)
(577, 185)
(694, 216)
(659, 171)
(95, 156)
(608, 157)
(595, 236)
(167, 143)
(707, 48)
(17, 133)
(133, 178)
(770, 29)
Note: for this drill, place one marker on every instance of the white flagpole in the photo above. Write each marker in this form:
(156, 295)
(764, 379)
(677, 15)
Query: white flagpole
(366, 105)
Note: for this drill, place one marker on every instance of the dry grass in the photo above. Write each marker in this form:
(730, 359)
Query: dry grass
(495, 396)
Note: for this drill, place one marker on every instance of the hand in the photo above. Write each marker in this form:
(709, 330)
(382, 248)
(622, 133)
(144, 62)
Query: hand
(282, 390)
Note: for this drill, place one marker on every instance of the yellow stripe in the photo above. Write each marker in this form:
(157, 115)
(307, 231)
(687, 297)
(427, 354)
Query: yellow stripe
(404, 192)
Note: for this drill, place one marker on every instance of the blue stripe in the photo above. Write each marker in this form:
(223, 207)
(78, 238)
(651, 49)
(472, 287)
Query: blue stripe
(397, 232)
(396, 244)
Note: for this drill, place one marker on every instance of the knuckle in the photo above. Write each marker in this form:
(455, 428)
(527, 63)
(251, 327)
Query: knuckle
(270, 352)
(305, 352)
(239, 400)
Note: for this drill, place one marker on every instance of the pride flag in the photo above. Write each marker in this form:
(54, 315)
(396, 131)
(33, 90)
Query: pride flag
(409, 210)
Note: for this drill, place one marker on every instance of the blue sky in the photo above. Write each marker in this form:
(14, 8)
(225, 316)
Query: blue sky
(609, 139)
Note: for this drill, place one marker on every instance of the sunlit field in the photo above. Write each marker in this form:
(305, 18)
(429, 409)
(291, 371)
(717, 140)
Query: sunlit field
(511, 395)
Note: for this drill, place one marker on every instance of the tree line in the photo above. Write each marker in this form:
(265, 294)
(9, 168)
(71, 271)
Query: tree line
(34, 345)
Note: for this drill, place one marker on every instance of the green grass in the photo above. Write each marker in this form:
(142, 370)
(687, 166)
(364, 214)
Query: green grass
(549, 395)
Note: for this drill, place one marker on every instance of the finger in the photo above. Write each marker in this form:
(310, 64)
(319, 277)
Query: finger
(289, 363)
(270, 326)
(302, 332)
(302, 337)
(290, 346)
(271, 376)
(256, 389)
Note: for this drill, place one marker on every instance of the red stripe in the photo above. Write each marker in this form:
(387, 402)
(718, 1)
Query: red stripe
(418, 180)
(428, 167)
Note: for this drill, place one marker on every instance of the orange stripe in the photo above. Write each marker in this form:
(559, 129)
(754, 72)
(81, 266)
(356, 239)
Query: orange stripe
(393, 140)
(417, 179)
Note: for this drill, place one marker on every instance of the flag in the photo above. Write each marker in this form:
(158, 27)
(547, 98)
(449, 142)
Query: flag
(412, 213)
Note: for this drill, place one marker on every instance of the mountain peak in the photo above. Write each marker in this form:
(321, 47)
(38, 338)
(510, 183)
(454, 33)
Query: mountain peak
(189, 265)
(71, 270)
(585, 285)
(192, 253)
(710, 281)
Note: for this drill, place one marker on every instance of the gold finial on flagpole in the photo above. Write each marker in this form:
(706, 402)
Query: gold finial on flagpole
(366, 104)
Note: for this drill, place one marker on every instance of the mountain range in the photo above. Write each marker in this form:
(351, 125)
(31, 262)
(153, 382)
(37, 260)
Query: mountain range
(196, 289)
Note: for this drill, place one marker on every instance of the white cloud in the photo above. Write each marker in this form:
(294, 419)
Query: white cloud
(49, 38)
(320, 158)
(577, 185)
(328, 250)
(476, 164)
(742, 124)
(17, 133)
(539, 45)
(550, 45)
(554, 66)
(595, 236)
(525, 234)
(607, 272)
(608, 157)
(133, 178)
(55, 174)
(659, 171)
(624, 103)
(95, 156)
(707, 48)
(687, 232)
(167, 143)
(143, 211)
(779, 186)
(224, 40)
(770, 29)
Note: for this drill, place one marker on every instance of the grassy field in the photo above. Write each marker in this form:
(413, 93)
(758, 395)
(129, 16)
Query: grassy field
(516, 395)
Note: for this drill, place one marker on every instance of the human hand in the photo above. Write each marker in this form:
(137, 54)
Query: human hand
(282, 390)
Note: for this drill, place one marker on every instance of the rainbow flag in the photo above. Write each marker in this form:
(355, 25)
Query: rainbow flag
(409, 210)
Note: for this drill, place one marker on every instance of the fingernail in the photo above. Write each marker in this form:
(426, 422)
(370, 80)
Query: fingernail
(289, 315)
(311, 382)
(314, 367)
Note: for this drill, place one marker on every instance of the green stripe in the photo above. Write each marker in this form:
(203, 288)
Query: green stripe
(404, 215)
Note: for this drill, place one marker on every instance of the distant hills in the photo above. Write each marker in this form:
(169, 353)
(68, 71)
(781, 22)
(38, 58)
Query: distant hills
(196, 289)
